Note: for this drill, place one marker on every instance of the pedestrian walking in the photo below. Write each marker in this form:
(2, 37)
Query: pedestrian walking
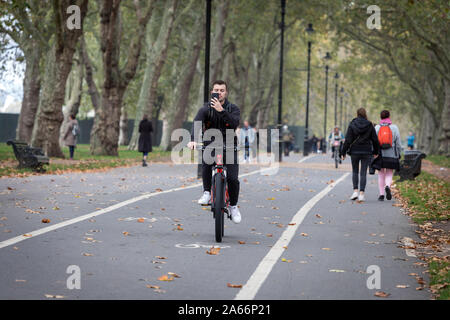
(71, 134)
(145, 138)
(361, 143)
(247, 137)
(389, 139)
(410, 140)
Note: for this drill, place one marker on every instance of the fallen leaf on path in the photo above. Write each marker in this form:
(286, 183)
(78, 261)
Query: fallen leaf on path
(158, 190)
(87, 254)
(152, 286)
(271, 198)
(256, 242)
(19, 280)
(292, 224)
(213, 251)
(179, 228)
(54, 296)
(27, 235)
(381, 294)
(165, 278)
(269, 235)
(229, 285)
(326, 249)
(319, 216)
(304, 234)
(285, 260)
(45, 220)
(336, 270)
(402, 286)
(173, 275)
(141, 220)
(159, 257)
(241, 242)
(125, 233)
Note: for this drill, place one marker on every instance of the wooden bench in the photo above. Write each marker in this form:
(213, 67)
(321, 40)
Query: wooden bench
(29, 157)
(411, 165)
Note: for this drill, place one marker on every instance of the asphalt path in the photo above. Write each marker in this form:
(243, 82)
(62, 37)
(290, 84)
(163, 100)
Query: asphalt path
(123, 229)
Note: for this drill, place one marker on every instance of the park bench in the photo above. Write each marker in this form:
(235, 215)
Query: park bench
(410, 166)
(29, 157)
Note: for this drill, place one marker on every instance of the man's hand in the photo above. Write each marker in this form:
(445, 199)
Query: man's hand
(215, 103)
(343, 157)
(375, 156)
(192, 145)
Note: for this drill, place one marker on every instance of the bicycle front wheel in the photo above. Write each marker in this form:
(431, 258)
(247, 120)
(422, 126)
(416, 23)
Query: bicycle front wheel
(219, 205)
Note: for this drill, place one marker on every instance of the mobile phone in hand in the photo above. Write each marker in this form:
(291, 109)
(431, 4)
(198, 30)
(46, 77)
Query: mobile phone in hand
(215, 95)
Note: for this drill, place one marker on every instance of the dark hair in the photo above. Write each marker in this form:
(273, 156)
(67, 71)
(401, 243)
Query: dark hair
(72, 116)
(361, 112)
(219, 82)
(384, 114)
(144, 117)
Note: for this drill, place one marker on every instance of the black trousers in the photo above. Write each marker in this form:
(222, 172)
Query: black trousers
(357, 173)
(232, 178)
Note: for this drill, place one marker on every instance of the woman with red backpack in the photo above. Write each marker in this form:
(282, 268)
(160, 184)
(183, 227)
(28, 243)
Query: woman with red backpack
(389, 138)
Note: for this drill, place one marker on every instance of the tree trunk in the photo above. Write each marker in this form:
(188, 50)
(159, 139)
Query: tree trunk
(183, 91)
(58, 65)
(123, 136)
(31, 90)
(444, 139)
(217, 54)
(106, 129)
(75, 90)
(156, 58)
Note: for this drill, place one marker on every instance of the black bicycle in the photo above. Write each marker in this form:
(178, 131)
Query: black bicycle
(220, 200)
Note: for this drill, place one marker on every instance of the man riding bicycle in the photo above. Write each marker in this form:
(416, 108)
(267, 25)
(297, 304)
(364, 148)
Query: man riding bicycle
(220, 114)
(336, 139)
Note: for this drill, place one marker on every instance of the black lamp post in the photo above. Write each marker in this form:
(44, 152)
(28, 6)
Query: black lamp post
(340, 113)
(327, 57)
(306, 145)
(280, 83)
(336, 76)
(206, 78)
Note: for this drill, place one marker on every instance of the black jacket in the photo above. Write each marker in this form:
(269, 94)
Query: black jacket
(211, 119)
(145, 136)
(361, 138)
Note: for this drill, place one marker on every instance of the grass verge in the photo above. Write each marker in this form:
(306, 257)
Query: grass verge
(83, 161)
(441, 161)
(426, 200)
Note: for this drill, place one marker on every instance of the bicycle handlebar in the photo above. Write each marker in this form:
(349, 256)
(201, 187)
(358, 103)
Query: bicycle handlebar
(201, 146)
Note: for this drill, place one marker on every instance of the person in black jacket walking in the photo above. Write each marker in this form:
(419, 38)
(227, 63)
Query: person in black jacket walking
(145, 138)
(361, 142)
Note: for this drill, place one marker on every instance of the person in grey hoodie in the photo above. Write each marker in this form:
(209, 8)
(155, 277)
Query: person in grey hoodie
(70, 139)
(361, 143)
(390, 157)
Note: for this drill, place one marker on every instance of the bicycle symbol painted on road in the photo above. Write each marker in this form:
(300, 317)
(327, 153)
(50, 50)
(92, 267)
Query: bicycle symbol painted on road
(199, 245)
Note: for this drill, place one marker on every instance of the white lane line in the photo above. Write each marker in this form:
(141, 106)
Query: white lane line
(250, 289)
(305, 158)
(38, 232)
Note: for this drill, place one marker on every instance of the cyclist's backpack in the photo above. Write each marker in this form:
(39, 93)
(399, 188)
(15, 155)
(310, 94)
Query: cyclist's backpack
(385, 136)
(75, 130)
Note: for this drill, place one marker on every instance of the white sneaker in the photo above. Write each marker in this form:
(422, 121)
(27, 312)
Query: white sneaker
(235, 214)
(205, 199)
(361, 197)
(354, 196)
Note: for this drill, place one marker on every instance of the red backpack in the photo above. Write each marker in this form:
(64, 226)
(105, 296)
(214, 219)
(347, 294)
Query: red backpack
(385, 136)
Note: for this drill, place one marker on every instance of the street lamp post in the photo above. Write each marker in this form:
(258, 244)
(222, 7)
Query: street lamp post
(306, 146)
(327, 57)
(340, 113)
(280, 83)
(206, 78)
(336, 77)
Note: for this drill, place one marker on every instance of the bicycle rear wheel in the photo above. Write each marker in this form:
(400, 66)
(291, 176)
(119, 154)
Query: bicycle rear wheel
(336, 159)
(219, 182)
